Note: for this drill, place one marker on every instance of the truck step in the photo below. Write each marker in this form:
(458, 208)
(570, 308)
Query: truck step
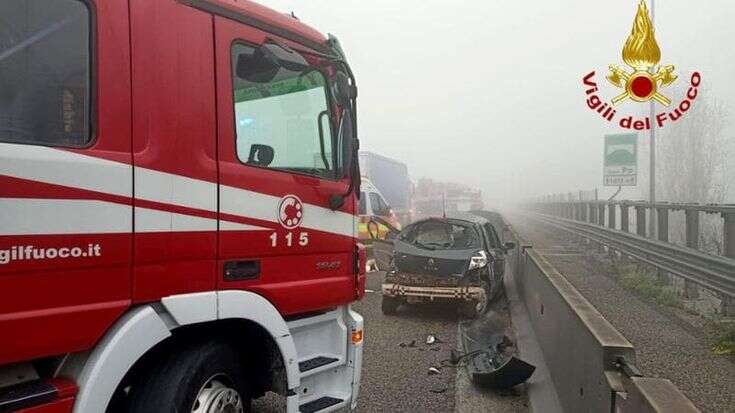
(28, 394)
(315, 362)
(319, 404)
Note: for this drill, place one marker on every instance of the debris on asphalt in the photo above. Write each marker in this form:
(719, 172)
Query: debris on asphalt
(438, 389)
(412, 343)
(430, 339)
(434, 370)
(487, 361)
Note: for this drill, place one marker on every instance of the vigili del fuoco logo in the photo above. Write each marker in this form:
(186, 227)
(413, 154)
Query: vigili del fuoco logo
(642, 82)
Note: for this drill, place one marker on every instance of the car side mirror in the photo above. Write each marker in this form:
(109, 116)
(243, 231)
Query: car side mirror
(509, 246)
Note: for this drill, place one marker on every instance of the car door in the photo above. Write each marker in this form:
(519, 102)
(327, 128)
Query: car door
(279, 165)
(496, 246)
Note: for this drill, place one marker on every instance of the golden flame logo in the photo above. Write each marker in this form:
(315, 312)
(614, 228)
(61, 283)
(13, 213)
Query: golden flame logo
(641, 52)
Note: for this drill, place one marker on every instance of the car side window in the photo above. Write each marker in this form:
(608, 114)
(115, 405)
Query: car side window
(492, 236)
(377, 204)
(363, 207)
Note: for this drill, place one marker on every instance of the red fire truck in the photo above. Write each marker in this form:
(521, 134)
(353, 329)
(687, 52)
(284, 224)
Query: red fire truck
(178, 187)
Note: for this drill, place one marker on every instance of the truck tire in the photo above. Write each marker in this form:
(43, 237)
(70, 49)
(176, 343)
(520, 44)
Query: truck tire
(203, 378)
(390, 305)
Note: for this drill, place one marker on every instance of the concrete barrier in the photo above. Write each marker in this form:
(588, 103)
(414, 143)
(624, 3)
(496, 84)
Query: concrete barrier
(591, 364)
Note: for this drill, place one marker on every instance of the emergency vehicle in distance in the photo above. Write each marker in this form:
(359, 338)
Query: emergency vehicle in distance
(178, 200)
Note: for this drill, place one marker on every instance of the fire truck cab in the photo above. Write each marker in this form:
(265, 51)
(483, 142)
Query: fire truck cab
(178, 189)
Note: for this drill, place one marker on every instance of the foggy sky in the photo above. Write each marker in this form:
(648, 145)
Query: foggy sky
(490, 93)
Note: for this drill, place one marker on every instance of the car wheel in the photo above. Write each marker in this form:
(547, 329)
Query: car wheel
(205, 378)
(390, 305)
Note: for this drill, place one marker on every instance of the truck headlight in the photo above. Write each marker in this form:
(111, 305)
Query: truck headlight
(479, 260)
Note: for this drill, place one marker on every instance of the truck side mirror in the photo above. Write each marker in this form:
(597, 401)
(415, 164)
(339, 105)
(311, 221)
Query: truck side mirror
(261, 155)
(263, 65)
(344, 92)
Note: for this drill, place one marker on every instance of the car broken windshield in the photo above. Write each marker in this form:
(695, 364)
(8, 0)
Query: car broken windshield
(443, 235)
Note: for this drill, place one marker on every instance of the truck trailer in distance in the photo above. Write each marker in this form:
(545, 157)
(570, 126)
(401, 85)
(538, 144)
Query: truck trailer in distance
(391, 178)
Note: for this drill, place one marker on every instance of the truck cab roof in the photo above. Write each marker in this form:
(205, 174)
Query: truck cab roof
(264, 18)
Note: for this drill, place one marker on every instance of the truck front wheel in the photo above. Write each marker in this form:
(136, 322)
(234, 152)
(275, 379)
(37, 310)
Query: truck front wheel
(204, 378)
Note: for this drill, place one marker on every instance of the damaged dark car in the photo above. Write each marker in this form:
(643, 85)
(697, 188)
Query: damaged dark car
(459, 257)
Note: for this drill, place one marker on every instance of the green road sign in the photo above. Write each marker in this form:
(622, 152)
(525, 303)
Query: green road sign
(621, 160)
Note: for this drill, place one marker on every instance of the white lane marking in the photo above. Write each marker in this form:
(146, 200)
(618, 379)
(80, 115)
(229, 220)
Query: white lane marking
(61, 216)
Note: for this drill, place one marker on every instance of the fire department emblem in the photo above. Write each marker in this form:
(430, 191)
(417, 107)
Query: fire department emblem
(290, 211)
(641, 52)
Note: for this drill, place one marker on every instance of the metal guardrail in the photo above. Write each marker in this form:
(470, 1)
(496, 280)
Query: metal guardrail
(598, 221)
(605, 213)
(591, 364)
(709, 271)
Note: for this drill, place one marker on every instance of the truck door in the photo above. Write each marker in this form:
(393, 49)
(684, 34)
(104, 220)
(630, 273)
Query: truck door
(65, 174)
(279, 163)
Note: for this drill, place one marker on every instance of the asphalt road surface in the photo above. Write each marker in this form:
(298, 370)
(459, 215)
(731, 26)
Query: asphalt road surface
(396, 361)
(395, 373)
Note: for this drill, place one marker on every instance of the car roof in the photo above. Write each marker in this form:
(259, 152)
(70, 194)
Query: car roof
(459, 216)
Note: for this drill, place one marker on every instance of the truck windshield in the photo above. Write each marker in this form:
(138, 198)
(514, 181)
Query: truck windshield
(44, 72)
(291, 115)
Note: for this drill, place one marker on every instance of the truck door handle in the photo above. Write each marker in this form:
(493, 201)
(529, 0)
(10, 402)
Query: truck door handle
(242, 270)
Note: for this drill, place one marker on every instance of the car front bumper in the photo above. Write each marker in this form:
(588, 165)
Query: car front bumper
(461, 292)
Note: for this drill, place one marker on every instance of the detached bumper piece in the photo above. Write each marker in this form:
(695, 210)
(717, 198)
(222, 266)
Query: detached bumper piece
(38, 396)
(465, 293)
(488, 365)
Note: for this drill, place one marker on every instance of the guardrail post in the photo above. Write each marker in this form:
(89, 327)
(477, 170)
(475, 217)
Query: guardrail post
(640, 220)
(611, 212)
(624, 218)
(662, 215)
(691, 290)
(728, 232)
(601, 214)
(592, 213)
(663, 224)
